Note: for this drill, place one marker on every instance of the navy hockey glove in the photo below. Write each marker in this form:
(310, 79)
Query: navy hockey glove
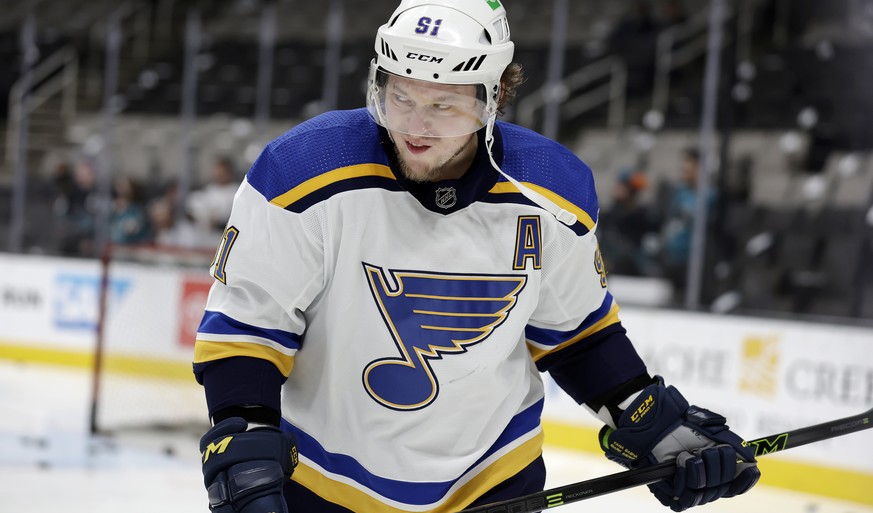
(659, 425)
(244, 471)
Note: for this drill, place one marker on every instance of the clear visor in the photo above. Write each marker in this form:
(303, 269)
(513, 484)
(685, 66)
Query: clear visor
(425, 109)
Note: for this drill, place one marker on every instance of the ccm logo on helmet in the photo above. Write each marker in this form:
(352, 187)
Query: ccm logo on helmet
(423, 57)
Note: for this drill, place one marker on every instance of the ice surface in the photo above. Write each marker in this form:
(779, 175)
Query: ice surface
(48, 462)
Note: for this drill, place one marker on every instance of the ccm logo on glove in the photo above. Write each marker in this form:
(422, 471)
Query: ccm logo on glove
(644, 408)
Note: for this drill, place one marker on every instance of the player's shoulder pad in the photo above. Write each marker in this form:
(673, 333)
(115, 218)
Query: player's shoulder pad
(536, 160)
(329, 153)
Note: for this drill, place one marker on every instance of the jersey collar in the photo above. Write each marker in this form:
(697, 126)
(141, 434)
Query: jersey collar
(448, 196)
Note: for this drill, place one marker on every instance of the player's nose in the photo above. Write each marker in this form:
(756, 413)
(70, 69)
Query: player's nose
(416, 124)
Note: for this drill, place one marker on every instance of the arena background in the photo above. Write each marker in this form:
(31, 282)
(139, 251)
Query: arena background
(730, 143)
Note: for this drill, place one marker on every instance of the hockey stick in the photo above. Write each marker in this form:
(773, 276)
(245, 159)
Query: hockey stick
(622, 480)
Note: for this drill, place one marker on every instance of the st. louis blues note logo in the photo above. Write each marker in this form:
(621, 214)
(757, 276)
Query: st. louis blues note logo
(430, 315)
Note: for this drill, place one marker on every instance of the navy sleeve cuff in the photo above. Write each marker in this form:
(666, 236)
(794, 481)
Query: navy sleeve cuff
(240, 381)
(592, 367)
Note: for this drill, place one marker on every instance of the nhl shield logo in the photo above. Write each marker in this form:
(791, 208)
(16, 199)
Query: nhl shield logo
(446, 197)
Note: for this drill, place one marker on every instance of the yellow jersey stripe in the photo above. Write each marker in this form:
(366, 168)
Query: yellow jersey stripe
(607, 320)
(582, 216)
(356, 500)
(323, 180)
(205, 351)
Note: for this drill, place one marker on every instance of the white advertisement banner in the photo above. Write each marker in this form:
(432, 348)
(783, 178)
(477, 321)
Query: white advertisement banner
(49, 301)
(766, 376)
(54, 303)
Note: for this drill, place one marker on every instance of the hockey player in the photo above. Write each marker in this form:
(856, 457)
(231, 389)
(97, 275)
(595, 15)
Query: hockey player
(391, 284)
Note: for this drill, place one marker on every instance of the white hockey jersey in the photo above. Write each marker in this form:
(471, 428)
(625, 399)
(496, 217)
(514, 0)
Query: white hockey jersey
(408, 317)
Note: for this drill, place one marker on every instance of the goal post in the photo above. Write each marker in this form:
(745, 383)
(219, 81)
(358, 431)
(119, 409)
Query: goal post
(150, 303)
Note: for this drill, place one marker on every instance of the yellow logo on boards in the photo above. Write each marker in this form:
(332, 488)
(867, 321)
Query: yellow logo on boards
(218, 448)
(760, 365)
(644, 408)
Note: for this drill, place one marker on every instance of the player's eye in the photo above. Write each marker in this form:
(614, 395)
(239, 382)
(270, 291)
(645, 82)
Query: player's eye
(404, 101)
(444, 109)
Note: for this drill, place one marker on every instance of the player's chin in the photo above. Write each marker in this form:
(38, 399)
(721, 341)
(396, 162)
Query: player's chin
(418, 168)
(418, 171)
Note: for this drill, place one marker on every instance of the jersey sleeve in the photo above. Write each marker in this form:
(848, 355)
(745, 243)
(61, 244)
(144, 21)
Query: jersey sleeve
(268, 269)
(575, 332)
(574, 301)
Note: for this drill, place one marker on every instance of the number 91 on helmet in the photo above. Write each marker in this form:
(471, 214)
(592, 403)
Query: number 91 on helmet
(438, 67)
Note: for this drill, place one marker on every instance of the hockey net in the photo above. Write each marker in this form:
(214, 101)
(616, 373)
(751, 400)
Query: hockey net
(152, 299)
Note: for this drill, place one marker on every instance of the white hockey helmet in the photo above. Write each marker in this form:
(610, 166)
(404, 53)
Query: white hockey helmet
(434, 45)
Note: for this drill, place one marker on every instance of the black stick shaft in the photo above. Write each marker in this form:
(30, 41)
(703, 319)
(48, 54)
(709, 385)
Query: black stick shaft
(567, 494)
(811, 434)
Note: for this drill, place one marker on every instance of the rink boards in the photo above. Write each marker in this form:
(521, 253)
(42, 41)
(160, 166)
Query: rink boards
(764, 375)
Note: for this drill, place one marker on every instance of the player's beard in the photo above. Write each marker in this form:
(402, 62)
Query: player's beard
(441, 168)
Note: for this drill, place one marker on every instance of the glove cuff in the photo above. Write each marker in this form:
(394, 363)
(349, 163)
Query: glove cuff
(654, 412)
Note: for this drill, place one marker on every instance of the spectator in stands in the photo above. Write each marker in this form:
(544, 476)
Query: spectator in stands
(674, 13)
(170, 229)
(209, 207)
(679, 221)
(128, 222)
(62, 186)
(75, 208)
(632, 225)
(637, 20)
(633, 40)
(57, 189)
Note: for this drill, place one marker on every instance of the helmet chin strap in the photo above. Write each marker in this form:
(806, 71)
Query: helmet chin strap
(566, 217)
